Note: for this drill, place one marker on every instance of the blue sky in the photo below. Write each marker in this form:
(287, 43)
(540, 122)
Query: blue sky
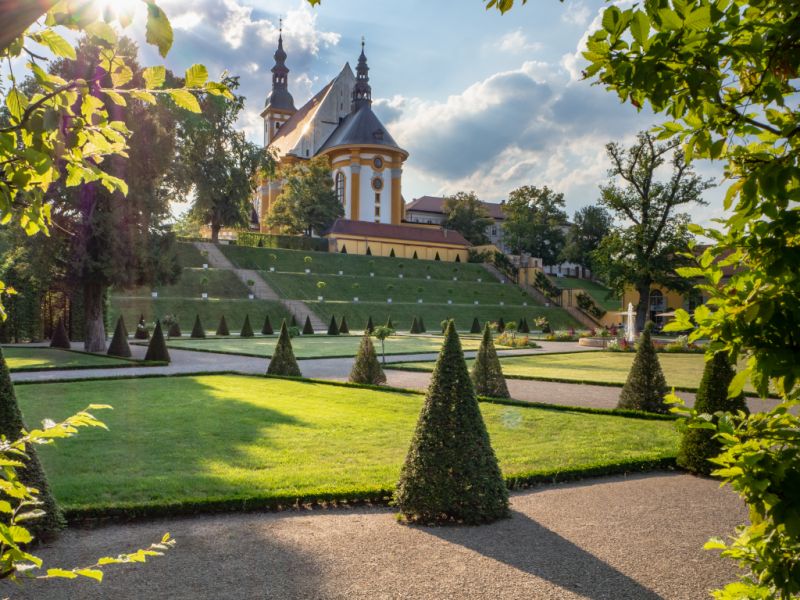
(482, 101)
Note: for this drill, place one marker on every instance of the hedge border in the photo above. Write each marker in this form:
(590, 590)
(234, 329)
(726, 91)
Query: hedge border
(131, 362)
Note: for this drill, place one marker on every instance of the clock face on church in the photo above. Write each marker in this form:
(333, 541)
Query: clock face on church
(377, 184)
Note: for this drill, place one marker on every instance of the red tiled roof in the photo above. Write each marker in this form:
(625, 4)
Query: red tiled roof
(435, 204)
(407, 233)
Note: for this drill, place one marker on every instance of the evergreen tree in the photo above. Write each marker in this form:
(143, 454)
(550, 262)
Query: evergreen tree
(198, 331)
(157, 348)
(523, 326)
(293, 322)
(501, 325)
(366, 368)
(487, 374)
(174, 330)
(119, 343)
(33, 475)
(370, 325)
(699, 445)
(267, 328)
(60, 338)
(247, 329)
(283, 361)
(451, 472)
(645, 387)
(421, 325)
(142, 332)
(476, 326)
(343, 328)
(308, 329)
(222, 328)
(333, 328)
(389, 323)
(414, 326)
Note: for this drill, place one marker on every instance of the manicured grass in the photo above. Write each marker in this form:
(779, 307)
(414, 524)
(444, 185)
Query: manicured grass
(681, 370)
(597, 291)
(220, 283)
(192, 440)
(37, 358)
(318, 345)
(189, 256)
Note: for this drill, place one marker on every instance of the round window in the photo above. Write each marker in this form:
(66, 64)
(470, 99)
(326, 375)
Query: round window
(377, 162)
(377, 183)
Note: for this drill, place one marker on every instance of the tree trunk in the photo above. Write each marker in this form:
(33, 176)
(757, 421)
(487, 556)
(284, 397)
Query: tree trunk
(215, 227)
(643, 307)
(94, 337)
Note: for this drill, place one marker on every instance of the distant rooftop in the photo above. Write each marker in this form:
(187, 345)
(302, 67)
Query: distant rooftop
(435, 204)
(406, 233)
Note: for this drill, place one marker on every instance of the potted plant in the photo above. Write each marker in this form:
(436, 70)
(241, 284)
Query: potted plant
(475, 297)
(502, 296)
(204, 254)
(455, 273)
(389, 289)
(449, 293)
(250, 284)
(204, 284)
(355, 289)
(273, 259)
(372, 268)
(321, 286)
(419, 293)
(428, 274)
(400, 266)
(307, 260)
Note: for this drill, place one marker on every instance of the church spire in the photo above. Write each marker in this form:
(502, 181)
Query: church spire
(362, 93)
(280, 97)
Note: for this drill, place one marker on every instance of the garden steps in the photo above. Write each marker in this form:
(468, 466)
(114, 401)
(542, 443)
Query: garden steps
(582, 317)
(530, 290)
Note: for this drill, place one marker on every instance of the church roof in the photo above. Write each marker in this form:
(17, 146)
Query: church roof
(435, 204)
(361, 127)
(291, 131)
(407, 233)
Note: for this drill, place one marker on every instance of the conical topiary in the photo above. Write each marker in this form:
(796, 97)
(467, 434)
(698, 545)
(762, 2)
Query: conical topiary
(389, 323)
(308, 329)
(487, 374)
(421, 325)
(476, 326)
(283, 361)
(198, 331)
(450, 473)
(247, 329)
(414, 326)
(699, 445)
(293, 322)
(119, 343)
(267, 328)
(32, 474)
(157, 348)
(645, 387)
(501, 325)
(60, 339)
(174, 330)
(367, 368)
(370, 326)
(343, 328)
(141, 332)
(333, 328)
(222, 328)
(523, 326)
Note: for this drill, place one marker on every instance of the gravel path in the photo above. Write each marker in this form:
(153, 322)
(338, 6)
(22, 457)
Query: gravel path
(636, 538)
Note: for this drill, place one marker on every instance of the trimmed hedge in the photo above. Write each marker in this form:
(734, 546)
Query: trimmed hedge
(333, 328)
(222, 328)
(283, 361)
(646, 385)
(267, 328)
(289, 242)
(157, 348)
(476, 326)
(343, 328)
(487, 374)
(366, 368)
(198, 331)
(247, 329)
(60, 338)
(119, 343)
(308, 329)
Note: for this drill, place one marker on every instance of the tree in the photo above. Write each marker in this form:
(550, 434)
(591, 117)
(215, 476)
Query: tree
(119, 343)
(370, 327)
(283, 361)
(343, 327)
(382, 332)
(198, 331)
(308, 328)
(468, 216)
(476, 326)
(307, 203)
(366, 368)
(534, 221)
(247, 329)
(589, 226)
(414, 326)
(216, 163)
(222, 328)
(157, 348)
(333, 328)
(645, 387)
(451, 472)
(267, 328)
(651, 238)
(487, 374)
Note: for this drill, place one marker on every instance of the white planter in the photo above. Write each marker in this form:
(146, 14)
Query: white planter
(308, 271)
(524, 304)
(400, 275)
(204, 296)
(272, 269)
(449, 301)
(319, 298)
(341, 272)
(251, 296)
(476, 302)
(355, 298)
(427, 276)
(372, 274)
(388, 300)
(455, 278)
(154, 294)
(502, 303)
(479, 279)
(205, 265)
(419, 301)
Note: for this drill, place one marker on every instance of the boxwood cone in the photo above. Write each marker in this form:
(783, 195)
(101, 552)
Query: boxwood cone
(476, 326)
(32, 474)
(450, 473)
(157, 348)
(343, 328)
(414, 326)
(523, 326)
(174, 330)
(119, 343)
(60, 338)
(247, 329)
(501, 325)
(698, 445)
(141, 330)
(222, 328)
(389, 323)
(308, 329)
(198, 331)
(267, 328)
(421, 325)
(645, 387)
(367, 368)
(283, 361)
(370, 325)
(487, 374)
(333, 328)
(293, 322)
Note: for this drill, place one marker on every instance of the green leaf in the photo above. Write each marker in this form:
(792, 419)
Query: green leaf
(61, 573)
(611, 18)
(159, 30)
(95, 574)
(670, 19)
(102, 31)
(699, 19)
(154, 77)
(185, 99)
(116, 98)
(196, 76)
(16, 102)
(737, 383)
(640, 27)
(143, 96)
(57, 44)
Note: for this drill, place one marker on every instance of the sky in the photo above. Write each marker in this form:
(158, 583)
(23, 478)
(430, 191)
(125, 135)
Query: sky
(483, 102)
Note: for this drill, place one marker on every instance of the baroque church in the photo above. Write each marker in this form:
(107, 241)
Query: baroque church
(366, 163)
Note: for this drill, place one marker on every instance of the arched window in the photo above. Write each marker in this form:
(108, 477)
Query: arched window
(656, 300)
(340, 187)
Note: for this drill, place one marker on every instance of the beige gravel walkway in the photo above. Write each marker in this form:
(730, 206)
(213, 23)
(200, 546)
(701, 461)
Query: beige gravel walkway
(616, 538)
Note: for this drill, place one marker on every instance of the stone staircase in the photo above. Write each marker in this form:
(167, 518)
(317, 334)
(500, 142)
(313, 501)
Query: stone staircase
(260, 288)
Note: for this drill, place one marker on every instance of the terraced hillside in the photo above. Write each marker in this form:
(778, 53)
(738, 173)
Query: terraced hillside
(599, 293)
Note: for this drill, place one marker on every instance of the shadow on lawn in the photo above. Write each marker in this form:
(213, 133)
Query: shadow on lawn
(524, 544)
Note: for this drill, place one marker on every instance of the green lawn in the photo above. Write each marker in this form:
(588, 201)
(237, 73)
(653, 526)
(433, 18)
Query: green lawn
(219, 283)
(680, 370)
(35, 358)
(319, 346)
(188, 255)
(597, 291)
(203, 438)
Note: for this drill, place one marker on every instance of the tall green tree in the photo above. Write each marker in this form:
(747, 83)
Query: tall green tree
(307, 203)
(589, 226)
(468, 216)
(651, 235)
(216, 166)
(535, 220)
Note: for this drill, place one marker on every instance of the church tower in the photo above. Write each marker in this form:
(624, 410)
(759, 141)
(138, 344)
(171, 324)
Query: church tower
(280, 104)
(362, 92)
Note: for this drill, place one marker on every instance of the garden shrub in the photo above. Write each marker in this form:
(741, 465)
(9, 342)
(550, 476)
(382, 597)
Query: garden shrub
(370, 326)
(501, 325)
(308, 329)
(389, 323)
(587, 304)
(247, 329)
(119, 342)
(415, 326)
(174, 330)
(198, 331)
(367, 369)
(343, 327)
(699, 445)
(476, 326)
(141, 333)
(283, 361)
(222, 328)
(645, 387)
(293, 322)
(542, 283)
(60, 338)
(421, 325)
(487, 374)
(157, 348)
(451, 473)
(542, 324)
(333, 328)
(523, 326)
(512, 340)
(267, 328)
(32, 474)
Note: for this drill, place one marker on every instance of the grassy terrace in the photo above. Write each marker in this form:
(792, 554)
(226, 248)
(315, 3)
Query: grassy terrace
(37, 358)
(219, 283)
(597, 291)
(192, 441)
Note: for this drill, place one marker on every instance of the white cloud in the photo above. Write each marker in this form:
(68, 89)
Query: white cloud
(576, 13)
(187, 20)
(517, 41)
